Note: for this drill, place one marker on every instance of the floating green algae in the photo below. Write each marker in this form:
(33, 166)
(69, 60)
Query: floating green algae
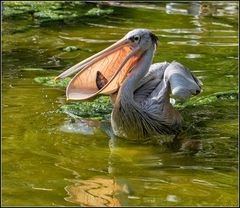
(44, 12)
(209, 99)
(52, 82)
(99, 12)
(98, 108)
(20, 8)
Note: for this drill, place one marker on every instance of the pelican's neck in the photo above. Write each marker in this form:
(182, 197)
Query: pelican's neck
(139, 71)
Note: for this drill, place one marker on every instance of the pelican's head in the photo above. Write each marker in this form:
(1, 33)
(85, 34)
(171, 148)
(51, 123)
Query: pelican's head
(141, 38)
(104, 72)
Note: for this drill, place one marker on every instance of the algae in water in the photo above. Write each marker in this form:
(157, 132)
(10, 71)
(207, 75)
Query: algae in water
(99, 12)
(98, 108)
(51, 82)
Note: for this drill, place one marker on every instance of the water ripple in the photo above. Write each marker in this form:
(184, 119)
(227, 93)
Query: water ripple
(87, 40)
(131, 5)
(196, 43)
(102, 25)
(180, 30)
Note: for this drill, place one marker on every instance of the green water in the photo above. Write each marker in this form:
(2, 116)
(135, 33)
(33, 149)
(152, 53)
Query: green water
(55, 159)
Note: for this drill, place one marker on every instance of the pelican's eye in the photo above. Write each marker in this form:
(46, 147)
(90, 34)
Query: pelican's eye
(135, 38)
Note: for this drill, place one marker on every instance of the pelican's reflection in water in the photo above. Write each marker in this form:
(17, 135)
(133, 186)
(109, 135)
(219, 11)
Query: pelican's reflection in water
(112, 190)
(97, 191)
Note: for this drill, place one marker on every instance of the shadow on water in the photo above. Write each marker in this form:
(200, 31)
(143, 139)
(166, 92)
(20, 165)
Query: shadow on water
(52, 158)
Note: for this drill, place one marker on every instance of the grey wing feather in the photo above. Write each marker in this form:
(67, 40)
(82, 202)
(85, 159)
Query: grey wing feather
(182, 82)
(164, 76)
(150, 81)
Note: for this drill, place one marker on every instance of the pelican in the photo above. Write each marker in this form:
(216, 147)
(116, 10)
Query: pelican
(140, 91)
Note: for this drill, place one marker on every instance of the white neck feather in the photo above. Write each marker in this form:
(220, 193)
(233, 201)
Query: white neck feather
(139, 71)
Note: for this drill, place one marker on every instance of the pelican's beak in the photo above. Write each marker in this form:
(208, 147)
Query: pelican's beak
(103, 72)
